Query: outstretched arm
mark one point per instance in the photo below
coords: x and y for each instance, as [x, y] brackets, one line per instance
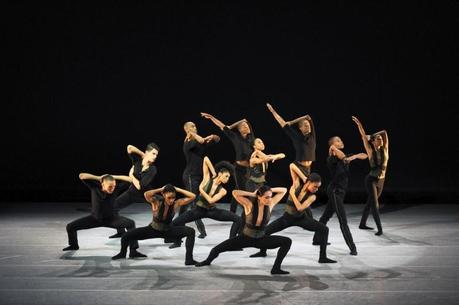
[301, 206]
[276, 116]
[189, 196]
[360, 156]
[87, 176]
[214, 120]
[304, 117]
[122, 178]
[235, 124]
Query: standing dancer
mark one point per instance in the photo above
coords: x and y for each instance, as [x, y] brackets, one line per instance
[194, 147]
[377, 148]
[257, 206]
[301, 197]
[163, 208]
[142, 173]
[338, 165]
[241, 141]
[259, 165]
[210, 192]
[104, 190]
[303, 137]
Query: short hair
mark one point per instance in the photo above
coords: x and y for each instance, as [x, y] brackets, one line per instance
[224, 167]
[263, 189]
[331, 140]
[169, 188]
[107, 178]
[151, 146]
[314, 177]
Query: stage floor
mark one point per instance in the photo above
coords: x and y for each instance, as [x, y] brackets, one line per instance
[416, 262]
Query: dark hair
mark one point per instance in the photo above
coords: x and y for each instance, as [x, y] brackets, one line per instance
[169, 188]
[263, 189]
[107, 178]
[314, 177]
[151, 146]
[224, 166]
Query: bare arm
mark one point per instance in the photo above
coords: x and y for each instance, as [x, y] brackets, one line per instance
[334, 151]
[296, 173]
[150, 195]
[235, 124]
[301, 206]
[366, 143]
[87, 176]
[304, 117]
[360, 156]
[131, 149]
[279, 194]
[189, 197]
[385, 137]
[197, 137]
[208, 169]
[214, 120]
[123, 178]
[215, 198]
[242, 198]
[276, 116]
[134, 181]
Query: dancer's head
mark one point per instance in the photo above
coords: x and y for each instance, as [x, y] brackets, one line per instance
[244, 128]
[257, 144]
[313, 183]
[151, 153]
[264, 195]
[190, 127]
[376, 140]
[108, 184]
[169, 193]
[304, 126]
[336, 141]
[224, 171]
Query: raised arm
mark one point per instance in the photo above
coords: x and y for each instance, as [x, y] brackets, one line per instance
[189, 197]
[296, 174]
[385, 137]
[208, 169]
[334, 151]
[235, 124]
[123, 178]
[278, 118]
[87, 176]
[150, 195]
[131, 149]
[214, 120]
[301, 206]
[258, 157]
[304, 117]
[242, 197]
[279, 193]
[366, 143]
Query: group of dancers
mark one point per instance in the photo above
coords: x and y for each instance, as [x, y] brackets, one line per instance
[204, 186]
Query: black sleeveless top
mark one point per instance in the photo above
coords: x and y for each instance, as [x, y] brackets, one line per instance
[164, 216]
[256, 173]
[251, 228]
[290, 207]
[201, 201]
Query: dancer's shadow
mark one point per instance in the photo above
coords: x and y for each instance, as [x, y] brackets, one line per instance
[93, 266]
[256, 288]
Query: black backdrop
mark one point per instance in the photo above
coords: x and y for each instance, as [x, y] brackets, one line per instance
[85, 81]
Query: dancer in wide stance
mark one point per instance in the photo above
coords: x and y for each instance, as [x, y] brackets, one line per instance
[257, 206]
[164, 207]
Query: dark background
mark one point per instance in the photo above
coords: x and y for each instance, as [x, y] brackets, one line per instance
[82, 82]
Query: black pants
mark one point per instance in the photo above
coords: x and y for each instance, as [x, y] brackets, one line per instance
[305, 222]
[89, 222]
[374, 187]
[213, 213]
[335, 204]
[243, 241]
[148, 233]
[126, 198]
[240, 181]
[191, 183]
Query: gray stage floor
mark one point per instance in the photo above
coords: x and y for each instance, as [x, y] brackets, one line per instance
[415, 262]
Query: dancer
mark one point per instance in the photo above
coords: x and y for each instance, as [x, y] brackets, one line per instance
[210, 192]
[301, 197]
[259, 165]
[103, 193]
[377, 148]
[303, 137]
[338, 165]
[241, 141]
[142, 173]
[163, 208]
[194, 147]
[257, 206]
